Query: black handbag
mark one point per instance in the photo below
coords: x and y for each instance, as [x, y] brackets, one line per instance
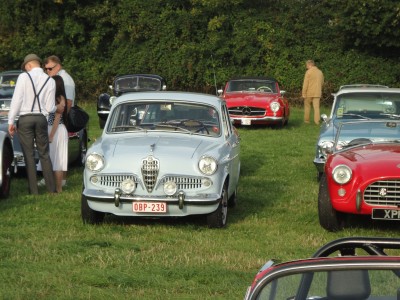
[77, 119]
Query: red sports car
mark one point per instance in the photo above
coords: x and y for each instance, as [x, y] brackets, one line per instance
[256, 100]
[362, 175]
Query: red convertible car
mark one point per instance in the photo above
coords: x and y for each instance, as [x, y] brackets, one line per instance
[362, 174]
[256, 100]
[355, 268]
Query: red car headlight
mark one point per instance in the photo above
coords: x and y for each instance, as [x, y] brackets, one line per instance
[275, 106]
[342, 174]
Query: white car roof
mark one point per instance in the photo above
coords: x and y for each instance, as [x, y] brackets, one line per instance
[349, 90]
[170, 96]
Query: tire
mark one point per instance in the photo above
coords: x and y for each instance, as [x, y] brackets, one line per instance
[319, 175]
[218, 218]
[6, 171]
[232, 201]
[82, 149]
[90, 216]
[102, 123]
[329, 218]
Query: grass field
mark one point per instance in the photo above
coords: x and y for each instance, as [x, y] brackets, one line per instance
[46, 252]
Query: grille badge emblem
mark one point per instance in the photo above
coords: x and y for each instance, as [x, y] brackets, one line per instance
[383, 192]
[246, 111]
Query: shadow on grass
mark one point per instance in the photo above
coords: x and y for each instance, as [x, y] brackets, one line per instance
[364, 222]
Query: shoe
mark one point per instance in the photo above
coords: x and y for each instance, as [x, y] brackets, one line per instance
[41, 182]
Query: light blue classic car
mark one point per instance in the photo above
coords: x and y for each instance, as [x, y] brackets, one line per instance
[355, 103]
[163, 154]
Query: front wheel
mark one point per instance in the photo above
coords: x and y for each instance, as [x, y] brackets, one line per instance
[329, 218]
[90, 216]
[217, 219]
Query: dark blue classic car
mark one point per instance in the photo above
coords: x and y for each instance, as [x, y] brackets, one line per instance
[124, 84]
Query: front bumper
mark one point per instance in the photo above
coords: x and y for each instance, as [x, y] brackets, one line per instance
[255, 120]
[121, 205]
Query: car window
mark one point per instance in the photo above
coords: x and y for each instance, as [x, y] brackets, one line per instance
[177, 117]
[137, 83]
[367, 105]
[327, 285]
[265, 86]
[227, 124]
[8, 79]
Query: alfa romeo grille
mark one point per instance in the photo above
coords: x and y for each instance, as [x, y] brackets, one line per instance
[150, 168]
[246, 111]
[384, 192]
[184, 183]
[114, 181]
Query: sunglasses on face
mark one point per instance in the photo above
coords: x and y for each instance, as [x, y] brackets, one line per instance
[50, 69]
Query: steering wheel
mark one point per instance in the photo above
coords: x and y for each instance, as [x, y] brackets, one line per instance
[195, 123]
[265, 88]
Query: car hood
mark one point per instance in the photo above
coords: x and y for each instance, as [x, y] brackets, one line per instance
[373, 155]
[181, 146]
[249, 99]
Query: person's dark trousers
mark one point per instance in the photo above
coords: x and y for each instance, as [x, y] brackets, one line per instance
[31, 128]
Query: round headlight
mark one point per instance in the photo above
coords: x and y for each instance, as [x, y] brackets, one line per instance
[326, 147]
[169, 188]
[275, 106]
[94, 162]
[112, 99]
[128, 186]
[342, 174]
[208, 165]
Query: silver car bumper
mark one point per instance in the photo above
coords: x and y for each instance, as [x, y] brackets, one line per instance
[180, 205]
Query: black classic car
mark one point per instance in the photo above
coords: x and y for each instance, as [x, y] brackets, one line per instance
[77, 143]
[127, 83]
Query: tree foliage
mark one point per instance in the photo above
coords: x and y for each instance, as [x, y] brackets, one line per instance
[199, 44]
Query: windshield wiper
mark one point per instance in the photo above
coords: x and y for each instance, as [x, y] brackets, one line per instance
[125, 127]
[164, 125]
[392, 116]
[355, 115]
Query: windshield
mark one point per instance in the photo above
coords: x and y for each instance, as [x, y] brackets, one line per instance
[137, 83]
[364, 132]
[176, 117]
[368, 106]
[252, 85]
[340, 284]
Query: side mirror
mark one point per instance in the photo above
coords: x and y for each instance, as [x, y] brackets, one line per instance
[324, 118]
[164, 87]
[219, 92]
[283, 93]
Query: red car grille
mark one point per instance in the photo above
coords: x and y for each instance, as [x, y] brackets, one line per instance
[246, 111]
[383, 192]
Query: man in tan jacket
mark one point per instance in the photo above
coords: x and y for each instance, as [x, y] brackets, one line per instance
[312, 91]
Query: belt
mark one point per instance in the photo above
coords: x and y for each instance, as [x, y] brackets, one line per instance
[31, 114]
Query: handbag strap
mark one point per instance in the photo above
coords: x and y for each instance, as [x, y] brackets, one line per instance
[34, 91]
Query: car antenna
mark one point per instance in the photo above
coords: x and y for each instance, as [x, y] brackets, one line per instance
[215, 77]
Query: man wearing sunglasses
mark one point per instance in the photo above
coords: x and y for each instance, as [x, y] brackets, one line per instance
[53, 66]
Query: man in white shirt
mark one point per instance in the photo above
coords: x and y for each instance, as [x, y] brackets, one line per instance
[53, 66]
[33, 100]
